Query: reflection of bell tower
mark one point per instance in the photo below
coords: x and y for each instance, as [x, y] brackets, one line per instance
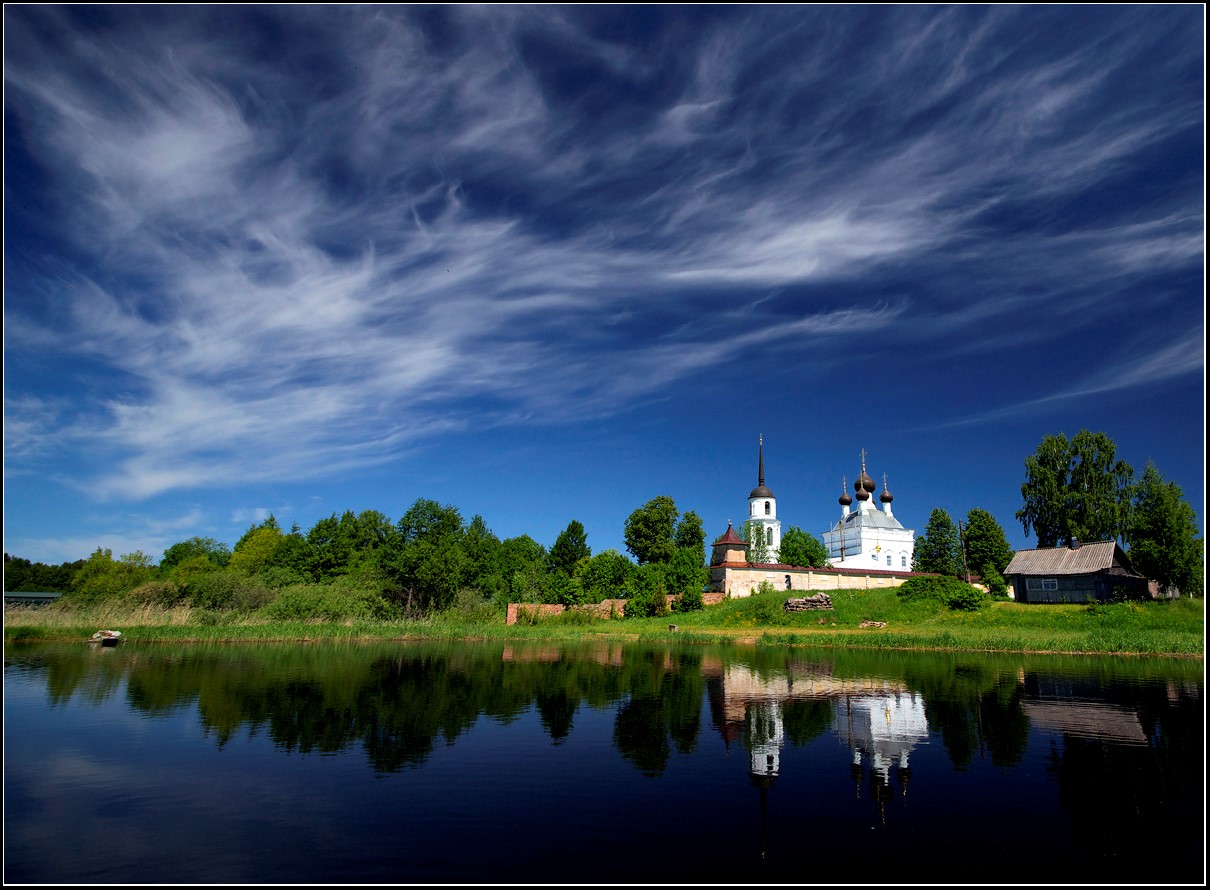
[766, 735]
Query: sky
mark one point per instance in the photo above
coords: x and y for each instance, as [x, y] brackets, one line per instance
[545, 263]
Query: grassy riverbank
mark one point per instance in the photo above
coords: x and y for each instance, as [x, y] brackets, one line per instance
[1174, 627]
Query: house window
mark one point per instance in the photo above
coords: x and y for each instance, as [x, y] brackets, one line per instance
[766, 508]
[1041, 583]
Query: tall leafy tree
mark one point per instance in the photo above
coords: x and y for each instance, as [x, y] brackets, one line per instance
[687, 572]
[1076, 489]
[523, 569]
[606, 575]
[985, 544]
[758, 547]
[1163, 538]
[102, 577]
[254, 548]
[939, 549]
[209, 548]
[569, 548]
[483, 558]
[691, 535]
[800, 548]
[650, 531]
[427, 559]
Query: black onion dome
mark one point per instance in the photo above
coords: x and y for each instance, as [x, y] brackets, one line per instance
[845, 500]
[886, 497]
[761, 492]
[867, 483]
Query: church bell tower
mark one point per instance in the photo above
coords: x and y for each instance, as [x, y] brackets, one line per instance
[762, 509]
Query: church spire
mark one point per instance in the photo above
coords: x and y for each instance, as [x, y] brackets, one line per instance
[761, 491]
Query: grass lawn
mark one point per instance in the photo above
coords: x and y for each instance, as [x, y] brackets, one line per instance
[1170, 627]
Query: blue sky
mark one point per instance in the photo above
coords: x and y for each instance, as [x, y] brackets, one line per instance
[545, 263]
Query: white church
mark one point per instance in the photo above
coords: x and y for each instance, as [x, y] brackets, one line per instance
[868, 537]
[867, 546]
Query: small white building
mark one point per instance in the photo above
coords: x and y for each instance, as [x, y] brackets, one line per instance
[869, 537]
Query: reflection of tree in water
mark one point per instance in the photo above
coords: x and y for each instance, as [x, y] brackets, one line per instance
[1126, 791]
[406, 703]
[556, 713]
[1003, 726]
[663, 711]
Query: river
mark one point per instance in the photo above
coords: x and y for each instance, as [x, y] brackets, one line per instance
[597, 763]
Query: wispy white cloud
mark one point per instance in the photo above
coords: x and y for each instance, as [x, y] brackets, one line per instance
[290, 274]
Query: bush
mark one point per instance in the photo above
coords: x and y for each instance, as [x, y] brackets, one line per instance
[155, 593]
[470, 605]
[996, 585]
[328, 602]
[645, 592]
[689, 601]
[942, 590]
[226, 590]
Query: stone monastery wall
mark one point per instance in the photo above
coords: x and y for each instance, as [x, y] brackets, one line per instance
[741, 580]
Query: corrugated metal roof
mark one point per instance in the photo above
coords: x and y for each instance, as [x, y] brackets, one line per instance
[872, 519]
[1085, 559]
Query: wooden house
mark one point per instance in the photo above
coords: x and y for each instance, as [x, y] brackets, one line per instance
[1081, 573]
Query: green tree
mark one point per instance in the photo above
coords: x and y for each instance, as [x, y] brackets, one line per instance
[483, 554]
[1076, 489]
[102, 577]
[650, 531]
[289, 562]
[569, 548]
[691, 535]
[939, 549]
[758, 547]
[21, 575]
[646, 591]
[605, 576]
[1163, 537]
[426, 559]
[523, 569]
[985, 545]
[800, 548]
[253, 549]
[210, 549]
[686, 572]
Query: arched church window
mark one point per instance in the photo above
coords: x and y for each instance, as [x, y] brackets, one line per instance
[903, 560]
[888, 559]
[766, 508]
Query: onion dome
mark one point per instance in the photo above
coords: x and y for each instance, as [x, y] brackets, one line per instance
[761, 491]
[845, 500]
[886, 497]
[864, 486]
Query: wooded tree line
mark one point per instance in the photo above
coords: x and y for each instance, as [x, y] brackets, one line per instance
[431, 557]
[426, 561]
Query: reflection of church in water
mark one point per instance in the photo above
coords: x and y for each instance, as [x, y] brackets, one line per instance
[879, 721]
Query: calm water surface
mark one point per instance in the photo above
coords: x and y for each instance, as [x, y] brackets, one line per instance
[504, 763]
